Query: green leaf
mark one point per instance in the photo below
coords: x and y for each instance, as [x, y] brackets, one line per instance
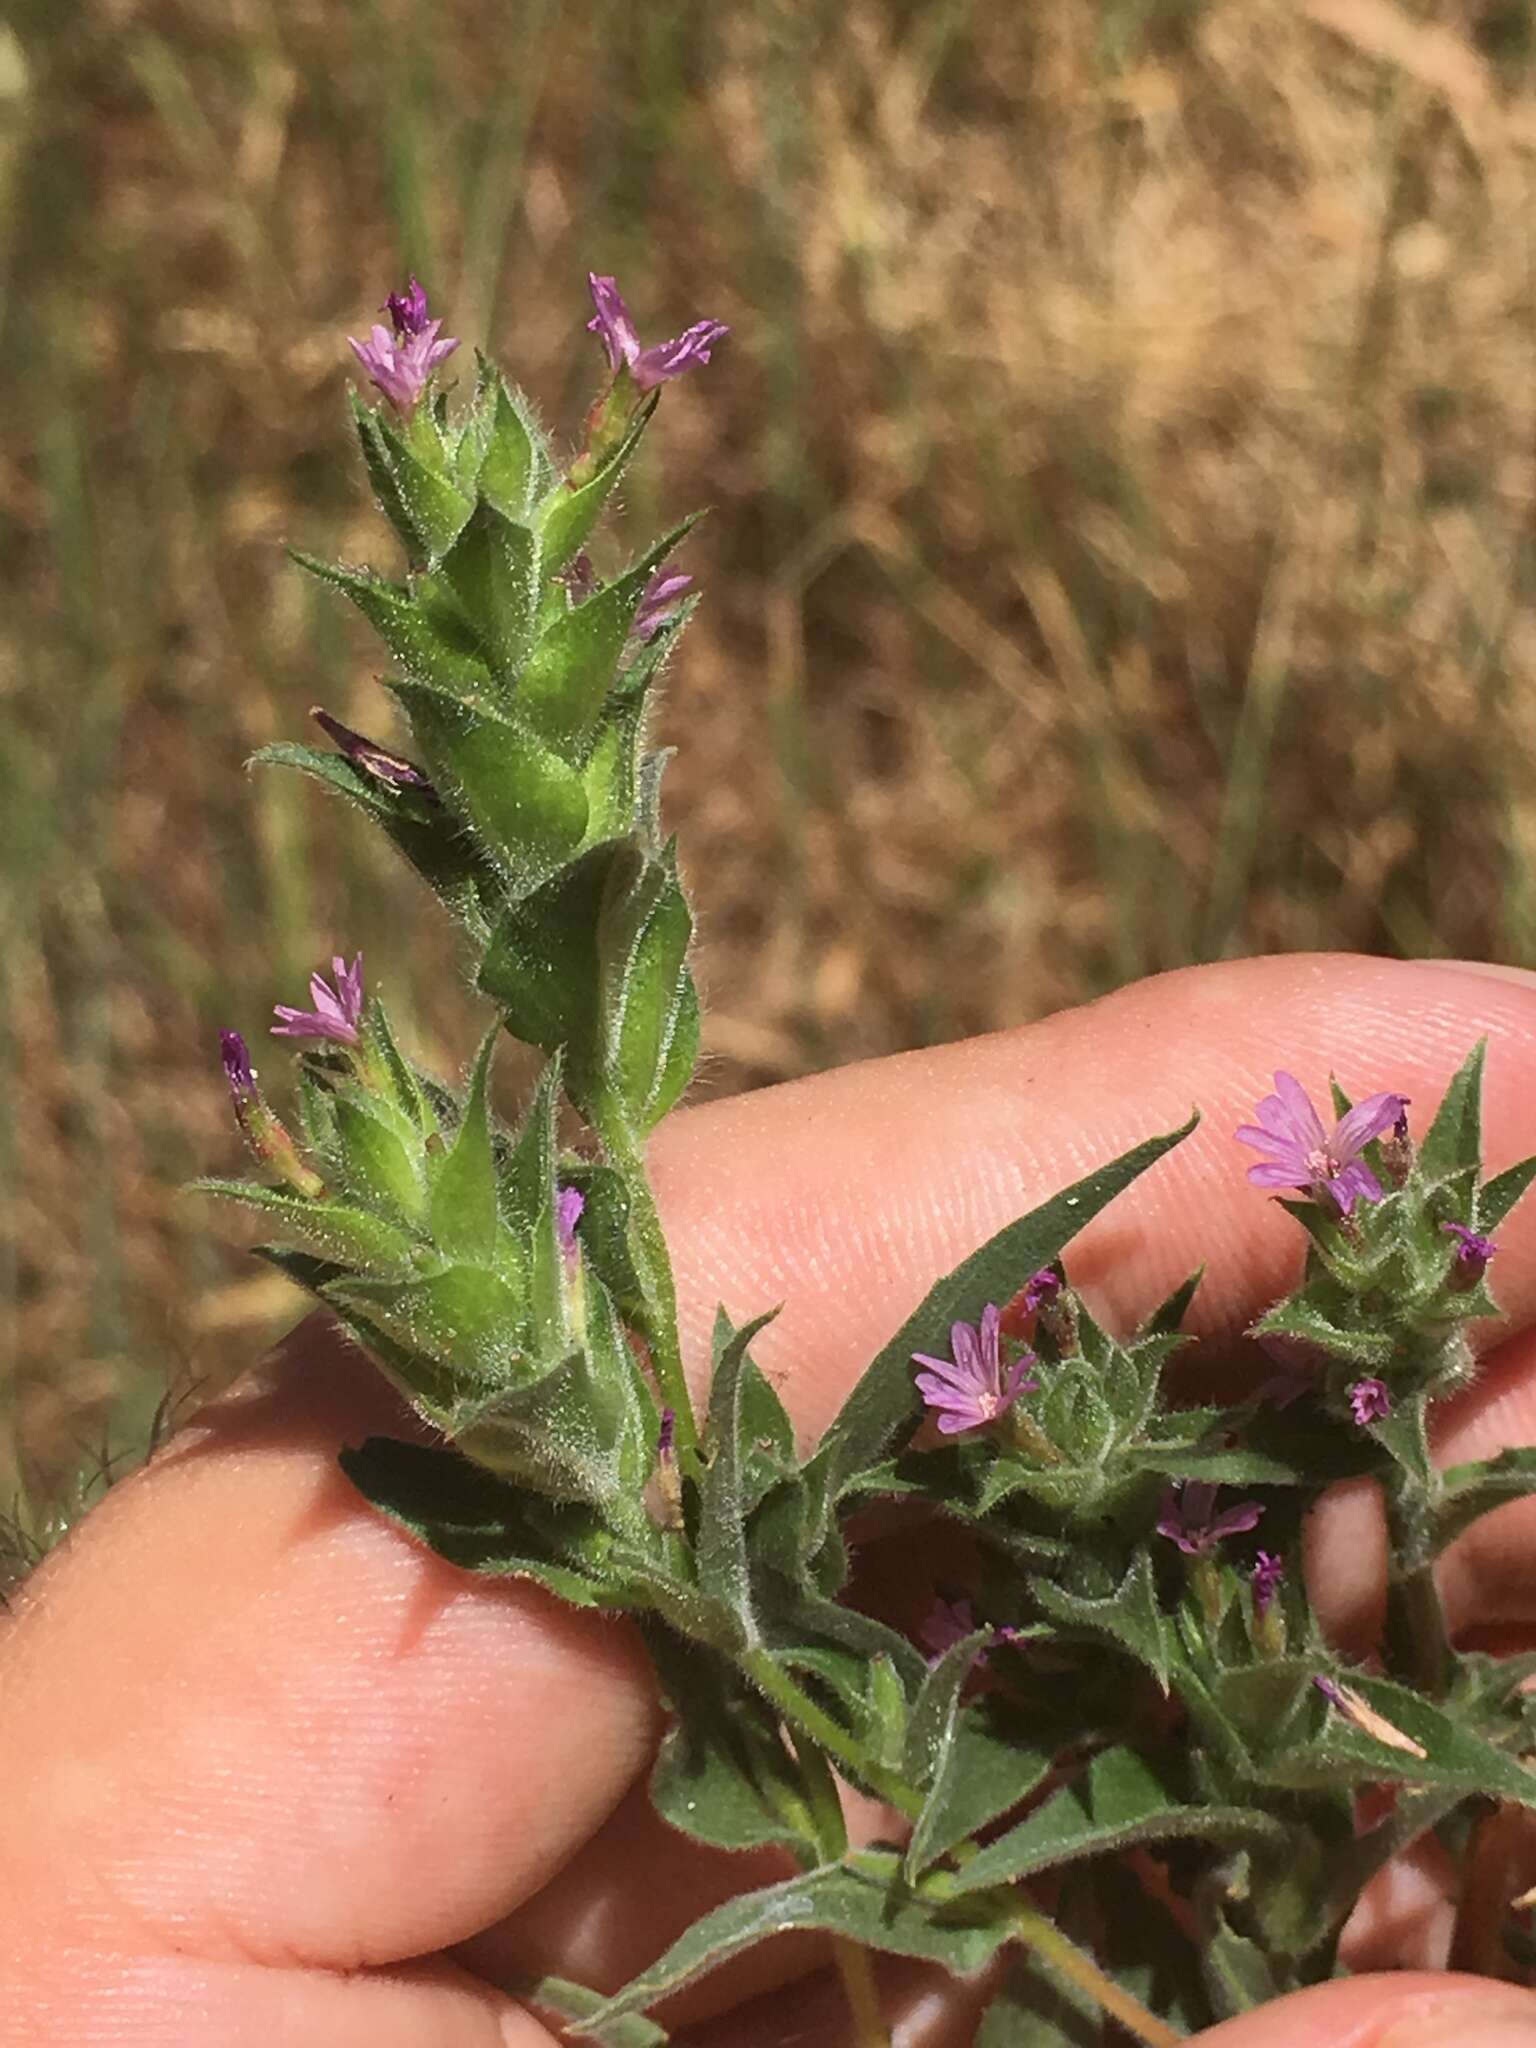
[527, 1192]
[1454, 1757]
[1498, 1196]
[352, 1236]
[1238, 1973]
[566, 517]
[724, 1569]
[528, 805]
[541, 966]
[862, 1898]
[644, 929]
[1129, 1617]
[1453, 1142]
[1301, 1316]
[885, 1405]
[572, 669]
[1167, 1319]
[434, 505]
[427, 646]
[492, 569]
[478, 1521]
[723, 1774]
[462, 1316]
[1040, 2007]
[936, 1710]
[379, 1169]
[1472, 1490]
[558, 1433]
[464, 1208]
[1121, 1802]
[575, 2002]
[979, 1767]
[382, 476]
[515, 469]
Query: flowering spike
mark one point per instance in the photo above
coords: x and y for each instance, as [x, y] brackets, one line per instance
[1188, 1518]
[368, 755]
[401, 363]
[338, 1011]
[1301, 1154]
[973, 1388]
[1369, 1402]
[647, 367]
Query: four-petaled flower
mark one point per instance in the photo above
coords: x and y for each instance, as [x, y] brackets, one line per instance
[1187, 1517]
[975, 1387]
[658, 604]
[569, 1203]
[368, 755]
[1369, 1402]
[1268, 1571]
[647, 367]
[338, 1011]
[1473, 1252]
[400, 363]
[1301, 1154]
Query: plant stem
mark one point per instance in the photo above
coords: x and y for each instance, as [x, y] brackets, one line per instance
[1415, 1619]
[653, 1267]
[1036, 1932]
[854, 1966]
[858, 1975]
[808, 1719]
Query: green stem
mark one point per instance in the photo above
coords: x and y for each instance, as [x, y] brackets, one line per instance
[854, 1966]
[1036, 1932]
[1416, 1630]
[807, 1718]
[653, 1267]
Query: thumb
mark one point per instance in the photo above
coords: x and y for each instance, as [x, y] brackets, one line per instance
[1408, 2009]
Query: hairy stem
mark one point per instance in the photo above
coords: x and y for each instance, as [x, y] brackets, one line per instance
[1034, 1931]
[1416, 1630]
[807, 1719]
[854, 1965]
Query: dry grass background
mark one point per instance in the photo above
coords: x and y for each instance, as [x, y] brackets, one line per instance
[1121, 556]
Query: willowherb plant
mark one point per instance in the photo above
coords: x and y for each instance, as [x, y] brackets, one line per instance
[1134, 1699]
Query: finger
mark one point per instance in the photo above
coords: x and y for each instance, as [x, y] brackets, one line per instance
[845, 1196]
[1411, 2010]
[245, 1717]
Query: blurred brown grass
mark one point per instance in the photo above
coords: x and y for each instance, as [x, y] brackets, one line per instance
[1121, 548]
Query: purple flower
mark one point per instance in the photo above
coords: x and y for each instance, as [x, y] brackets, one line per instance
[1186, 1517]
[368, 755]
[647, 367]
[1268, 1571]
[238, 1071]
[569, 1203]
[975, 1388]
[658, 604]
[1301, 1154]
[1040, 1288]
[400, 364]
[1472, 1253]
[407, 310]
[1369, 1402]
[337, 1012]
[666, 1435]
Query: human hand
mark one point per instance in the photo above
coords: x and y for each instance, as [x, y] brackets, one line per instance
[276, 1775]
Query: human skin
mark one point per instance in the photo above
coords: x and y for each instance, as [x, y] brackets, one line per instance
[273, 1774]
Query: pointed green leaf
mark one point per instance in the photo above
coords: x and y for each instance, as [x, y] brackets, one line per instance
[1121, 1802]
[382, 476]
[1498, 1196]
[723, 1774]
[527, 803]
[1167, 1319]
[528, 1202]
[1238, 1973]
[1454, 1757]
[464, 1199]
[1453, 1141]
[885, 1404]
[553, 1435]
[1129, 1617]
[565, 518]
[1300, 1316]
[427, 646]
[379, 1170]
[482, 1523]
[575, 2002]
[462, 1316]
[644, 930]
[515, 469]
[724, 1569]
[983, 1768]
[1470, 1491]
[862, 1898]
[492, 569]
[433, 502]
[541, 966]
[352, 1236]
